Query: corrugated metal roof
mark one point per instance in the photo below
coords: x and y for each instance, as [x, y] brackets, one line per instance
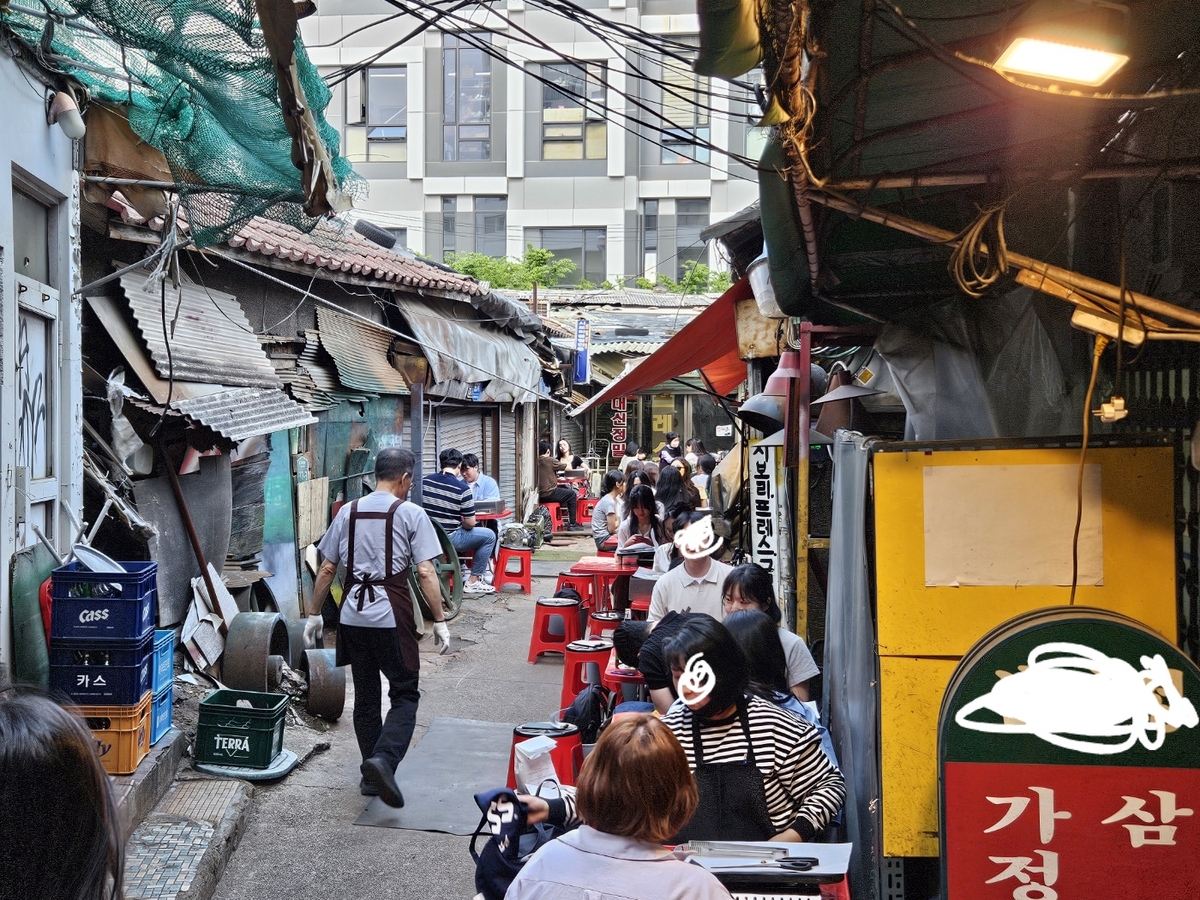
[360, 352]
[210, 337]
[246, 412]
[632, 297]
[644, 348]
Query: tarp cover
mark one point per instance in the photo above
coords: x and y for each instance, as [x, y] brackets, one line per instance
[463, 355]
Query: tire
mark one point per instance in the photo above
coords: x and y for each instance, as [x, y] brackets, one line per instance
[450, 579]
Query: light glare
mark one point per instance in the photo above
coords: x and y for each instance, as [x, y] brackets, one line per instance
[1060, 62]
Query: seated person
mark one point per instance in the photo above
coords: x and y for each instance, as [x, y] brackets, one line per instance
[449, 502]
[698, 584]
[549, 490]
[634, 792]
[633, 454]
[706, 465]
[672, 491]
[606, 515]
[643, 522]
[749, 587]
[568, 457]
[640, 646]
[758, 637]
[483, 487]
[792, 791]
[60, 836]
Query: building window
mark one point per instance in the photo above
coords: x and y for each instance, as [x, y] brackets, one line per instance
[685, 108]
[573, 124]
[449, 225]
[691, 216]
[377, 115]
[583, 246]
[466, 99]
[650, 239]
[489, 226]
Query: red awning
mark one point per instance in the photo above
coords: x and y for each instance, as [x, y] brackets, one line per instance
[708, 343]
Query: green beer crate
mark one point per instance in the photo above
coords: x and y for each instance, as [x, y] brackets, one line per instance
[249, 734]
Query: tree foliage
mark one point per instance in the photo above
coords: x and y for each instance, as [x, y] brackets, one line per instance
[697, 279]
[536, 266]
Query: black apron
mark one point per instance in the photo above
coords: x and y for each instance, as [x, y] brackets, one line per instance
[733, 800]
[359, 589]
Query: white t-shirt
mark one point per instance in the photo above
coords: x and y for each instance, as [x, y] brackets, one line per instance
[800, 664]
[414, 540]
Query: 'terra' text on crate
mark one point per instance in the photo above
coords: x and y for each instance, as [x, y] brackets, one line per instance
[231, 744]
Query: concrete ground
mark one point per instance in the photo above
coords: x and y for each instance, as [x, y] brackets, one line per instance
[301, 840]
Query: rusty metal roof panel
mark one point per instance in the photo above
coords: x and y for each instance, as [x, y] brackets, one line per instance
[246, 412]
[210, 337]
[360, 351]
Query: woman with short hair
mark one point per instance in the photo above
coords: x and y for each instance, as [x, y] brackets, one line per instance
[634, 792]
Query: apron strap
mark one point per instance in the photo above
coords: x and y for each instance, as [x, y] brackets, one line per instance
[365, 587]
[698, 743]
[388, 535]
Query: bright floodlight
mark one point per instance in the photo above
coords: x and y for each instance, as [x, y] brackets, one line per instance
[1060, 62]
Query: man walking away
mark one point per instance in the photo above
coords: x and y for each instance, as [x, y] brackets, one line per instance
[380, 538]
[449, 502]
[549, 490]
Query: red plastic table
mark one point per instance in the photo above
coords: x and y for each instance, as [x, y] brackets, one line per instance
[604, 570]
[615, 676]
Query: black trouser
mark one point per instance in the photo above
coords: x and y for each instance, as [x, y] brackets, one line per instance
[563, 497]
[370, 652]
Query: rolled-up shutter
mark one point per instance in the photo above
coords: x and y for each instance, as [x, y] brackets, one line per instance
[508, 459]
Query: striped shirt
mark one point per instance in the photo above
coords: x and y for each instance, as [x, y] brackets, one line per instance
[447, 500]
[800, 781]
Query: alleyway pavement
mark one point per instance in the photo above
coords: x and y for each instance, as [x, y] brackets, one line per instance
[301, 841]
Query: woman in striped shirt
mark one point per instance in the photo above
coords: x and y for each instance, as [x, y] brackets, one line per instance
[760, 770]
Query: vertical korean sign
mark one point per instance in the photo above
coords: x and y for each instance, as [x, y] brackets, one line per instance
[620, 426]
[1069, 748]
[766, 508]
[583, 340]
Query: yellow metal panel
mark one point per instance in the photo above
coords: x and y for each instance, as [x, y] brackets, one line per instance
[1137, 501]
[910, 694]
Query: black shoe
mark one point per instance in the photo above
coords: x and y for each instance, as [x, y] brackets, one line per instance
[367, 790]
[377, 774]
[573, 527]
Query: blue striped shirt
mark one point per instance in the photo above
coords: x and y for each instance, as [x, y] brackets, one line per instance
[447, 500]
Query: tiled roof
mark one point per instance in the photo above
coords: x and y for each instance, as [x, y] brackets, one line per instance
[332, 245]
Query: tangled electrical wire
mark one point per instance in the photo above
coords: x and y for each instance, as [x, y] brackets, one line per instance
[980, 256]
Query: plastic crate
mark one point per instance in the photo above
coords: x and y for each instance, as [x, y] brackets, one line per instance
[122, 734]
[232, 735]
[160, 713]
[163, 671]
[87, 607]
[112, 673]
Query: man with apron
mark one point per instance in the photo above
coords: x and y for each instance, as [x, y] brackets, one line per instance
[379, 538]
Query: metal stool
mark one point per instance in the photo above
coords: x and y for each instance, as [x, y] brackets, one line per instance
[583, 664]
[523, 577]
[546, 638]
[567, 754]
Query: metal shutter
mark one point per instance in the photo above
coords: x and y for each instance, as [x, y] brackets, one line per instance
[508, 460]
[461, 429]
[571, 430]
[429, 460]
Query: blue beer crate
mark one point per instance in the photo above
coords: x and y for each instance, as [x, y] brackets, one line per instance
[164, 660]
[160, 713]
[104, 606]
[102, 673]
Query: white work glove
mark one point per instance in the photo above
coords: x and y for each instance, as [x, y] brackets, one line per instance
[441, 637]
[314, 626]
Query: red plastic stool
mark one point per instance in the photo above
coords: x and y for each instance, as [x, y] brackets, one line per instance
[603, 624]
[557, 522]
[549, 612]
[583, 664]
[523, 577]
[567, 754]
[581, 583]
[586, 507]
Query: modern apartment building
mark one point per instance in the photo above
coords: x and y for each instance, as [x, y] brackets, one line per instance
[479, 137]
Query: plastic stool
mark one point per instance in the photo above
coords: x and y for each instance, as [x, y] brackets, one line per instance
[586, 507]
[548, 613]
[567, 754]
[557, 522]
[523, 577]
[581, 583]
[603, 624]
[583, 664]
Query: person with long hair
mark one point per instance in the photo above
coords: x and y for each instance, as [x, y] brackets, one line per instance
[749, 586]
[758, 637]
[670, 449]
[760, 772]
[694, 494]
[564, 454]
[650, 470]
[60, 838]
[670, 491]
[643, 519]
[606, 514]
[634, 792]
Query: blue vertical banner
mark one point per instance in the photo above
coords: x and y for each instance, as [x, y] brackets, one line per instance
[583, 362]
